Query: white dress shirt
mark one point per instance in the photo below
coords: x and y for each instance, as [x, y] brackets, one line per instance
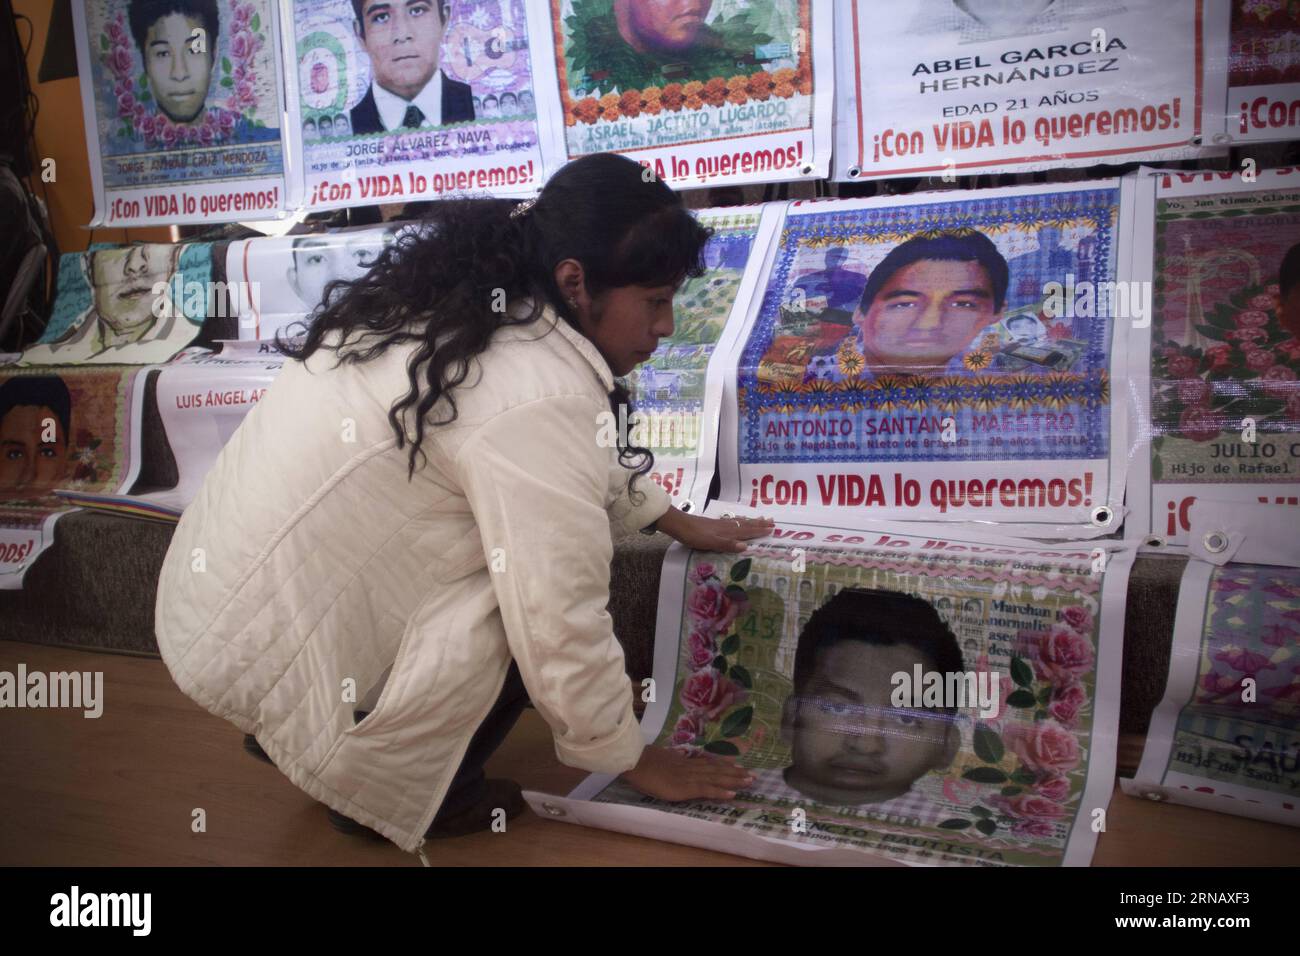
[392, 108]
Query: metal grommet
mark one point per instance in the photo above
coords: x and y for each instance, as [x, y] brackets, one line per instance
[1154, 795]
[855, 172]
[685, 507]
[1155, 542]
[553, 810]
[1101, 516]
[1215, 542]
[1222, 138]
[807, 169]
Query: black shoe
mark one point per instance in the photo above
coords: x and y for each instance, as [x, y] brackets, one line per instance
[498, 794]
[254, 748]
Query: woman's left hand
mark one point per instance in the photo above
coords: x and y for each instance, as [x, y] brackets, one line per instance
[713, 534]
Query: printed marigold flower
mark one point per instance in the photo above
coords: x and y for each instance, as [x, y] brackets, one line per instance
[609, 106]
[569, 118]
[694, 102]
[672, 96]
[630, 103]
[650, 100]
[715, 91]
[737, 82]
[784, 75]
[738, 97]
[759, 85]
[804, 84]
[850, 362]
[977, 360]
[587, 110]
[693, 88]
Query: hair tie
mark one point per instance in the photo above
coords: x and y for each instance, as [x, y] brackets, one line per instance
[522, 209]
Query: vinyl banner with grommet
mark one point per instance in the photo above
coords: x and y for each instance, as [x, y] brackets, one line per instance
[954, 356]
[954, 87]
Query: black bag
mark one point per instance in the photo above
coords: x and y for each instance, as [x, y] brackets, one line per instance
[26, 250]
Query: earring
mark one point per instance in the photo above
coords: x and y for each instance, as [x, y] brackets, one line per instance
[573, 303]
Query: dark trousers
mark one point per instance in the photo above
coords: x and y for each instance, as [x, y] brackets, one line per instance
[468, 785]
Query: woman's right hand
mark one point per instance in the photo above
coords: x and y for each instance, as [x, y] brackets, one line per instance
[671, 775]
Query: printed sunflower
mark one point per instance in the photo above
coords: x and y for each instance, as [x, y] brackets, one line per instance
[978, 360]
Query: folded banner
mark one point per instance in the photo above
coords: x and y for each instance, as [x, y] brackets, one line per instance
[962, 86]
[67, 428]
[183, 107]
[677, 393]
[202, 399]
[948, 356]
[1218, 409]
[702, 93]
[407, 101]
[278, 281]
[1224, 736]
[1264, 71]
[937, 701]
[128, 305]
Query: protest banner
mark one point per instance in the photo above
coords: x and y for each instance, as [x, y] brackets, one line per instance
[953, 87]
[723, 93]
[903, 696]
[183, 106]
[946, 356]
[405, 102]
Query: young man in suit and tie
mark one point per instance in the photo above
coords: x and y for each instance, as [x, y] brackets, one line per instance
[403, 39]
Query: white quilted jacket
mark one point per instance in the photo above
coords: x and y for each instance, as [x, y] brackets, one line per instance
[308, 565]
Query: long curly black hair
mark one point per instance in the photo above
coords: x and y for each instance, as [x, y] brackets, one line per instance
[441, 285]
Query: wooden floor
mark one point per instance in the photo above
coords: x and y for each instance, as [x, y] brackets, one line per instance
[121, 790]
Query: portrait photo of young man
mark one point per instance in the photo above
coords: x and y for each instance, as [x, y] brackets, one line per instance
[408, 89]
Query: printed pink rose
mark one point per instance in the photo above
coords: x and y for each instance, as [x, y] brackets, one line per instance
[1055, 788]
[703, 571]
[1200, 424]
[1044, 747]
[1260, 359]
[687, 729]
[243, 14]
[1251, 320]
[1181, 366]
[712, 608]
[1036, 829]
[1029, 806]
[1064, 655]
[169, 135]
[126, 104]
[1066, 703]
[1290, 348]
[116, 34]
[1279, 380]
[1247, 337]
[241, 44]
[1078, 618]
[1262, 302]
[707, 694]
[1195, 391]
[702, 649]
[120, 61]
[1218, 356]
[207, 134]
[244, 90]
